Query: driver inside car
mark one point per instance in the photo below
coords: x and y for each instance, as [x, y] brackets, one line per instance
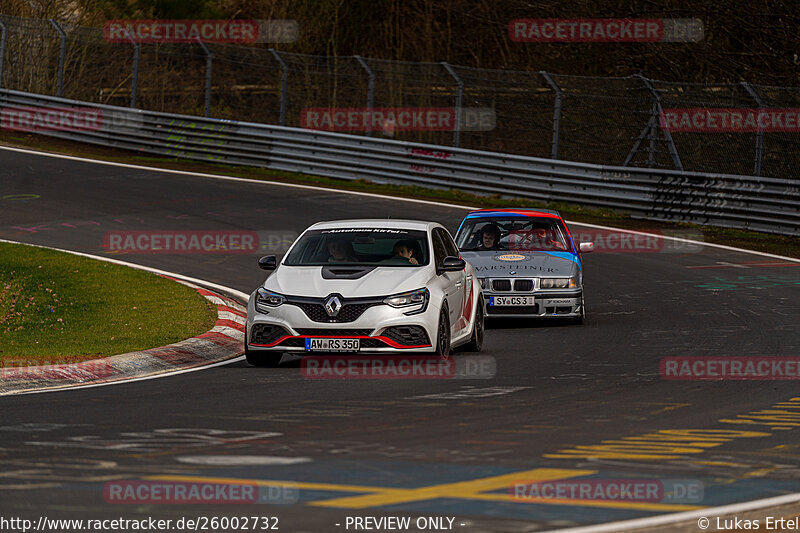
[490, 237]
[544, 236]
[405, 250]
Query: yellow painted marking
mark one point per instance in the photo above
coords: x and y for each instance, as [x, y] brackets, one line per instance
[460, 489]
[612, 504]
[466, 490]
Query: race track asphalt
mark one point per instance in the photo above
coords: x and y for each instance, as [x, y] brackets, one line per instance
[407, 447]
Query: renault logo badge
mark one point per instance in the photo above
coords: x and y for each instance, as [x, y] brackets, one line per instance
[333, 305]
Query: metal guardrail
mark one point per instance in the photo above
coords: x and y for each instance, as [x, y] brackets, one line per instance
[764, 204]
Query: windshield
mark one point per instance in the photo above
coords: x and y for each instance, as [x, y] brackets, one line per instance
[513, 233]
[360, 246]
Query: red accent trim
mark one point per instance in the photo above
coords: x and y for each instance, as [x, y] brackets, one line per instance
[381, 338]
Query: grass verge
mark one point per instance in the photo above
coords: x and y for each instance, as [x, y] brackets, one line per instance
[61, 307]
[775, 244]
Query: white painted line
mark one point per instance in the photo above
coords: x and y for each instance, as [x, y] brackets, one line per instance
[154, 271]
[709, 512]
[372, 195]
[167, 374]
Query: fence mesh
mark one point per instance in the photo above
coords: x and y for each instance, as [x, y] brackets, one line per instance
[612, 121]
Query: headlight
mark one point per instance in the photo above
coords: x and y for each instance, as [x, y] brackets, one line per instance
[558, 283]
[484, 282]
[417, 297]
[266, 299]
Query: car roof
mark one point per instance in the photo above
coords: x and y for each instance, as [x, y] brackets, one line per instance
[396, 223]
[525, 212]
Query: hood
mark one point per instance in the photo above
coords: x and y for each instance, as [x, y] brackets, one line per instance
[524, 264]
[381, 281]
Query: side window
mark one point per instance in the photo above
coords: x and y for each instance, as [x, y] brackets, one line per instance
[449, 245]
[439, 250]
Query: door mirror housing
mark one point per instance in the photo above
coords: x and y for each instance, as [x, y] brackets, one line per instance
[586, 247]
[268, 262]
[452, 264]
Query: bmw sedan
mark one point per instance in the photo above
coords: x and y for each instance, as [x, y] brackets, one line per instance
[376, 286]
[526, 262]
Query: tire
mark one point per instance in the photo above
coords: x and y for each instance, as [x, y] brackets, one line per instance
[475, 343]
[443, 348]
[262, 359]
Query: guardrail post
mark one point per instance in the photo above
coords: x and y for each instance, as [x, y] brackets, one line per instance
[556, 112]
[284, 84]
[209, 64]
[134, 70]
[459, 100]
[653, 125]
[760, 135]
[370, 93]
[2, 50]
[62, 57]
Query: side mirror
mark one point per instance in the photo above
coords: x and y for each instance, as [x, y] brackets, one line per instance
[586, 247]
[452, 264]
[268, 262]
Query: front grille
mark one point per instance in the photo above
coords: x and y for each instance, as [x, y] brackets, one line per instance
[523, 285]
[408, 335]
[266, 333]
[294, 342]
[501, 284]
[320, 332]
[348, 313]
[514, 310]
[372, 343]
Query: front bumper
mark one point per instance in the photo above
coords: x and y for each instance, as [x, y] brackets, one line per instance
[559, 303]
[380, 329]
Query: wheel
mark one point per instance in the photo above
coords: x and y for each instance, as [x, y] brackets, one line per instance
[475, 343]
[262, 359]
[443, 334]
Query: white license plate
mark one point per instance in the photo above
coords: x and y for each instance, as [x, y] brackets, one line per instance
[333, 345]
[510, 300]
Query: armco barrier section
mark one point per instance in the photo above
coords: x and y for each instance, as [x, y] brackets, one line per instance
[763, 204]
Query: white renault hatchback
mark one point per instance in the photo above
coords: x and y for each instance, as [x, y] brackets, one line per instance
[377, 286]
